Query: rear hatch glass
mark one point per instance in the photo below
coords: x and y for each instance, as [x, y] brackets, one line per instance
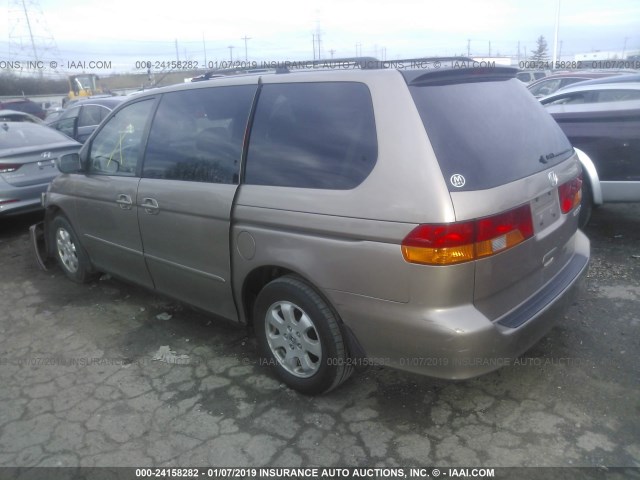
[486, 130]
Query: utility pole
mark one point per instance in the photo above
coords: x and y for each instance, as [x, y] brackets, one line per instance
[245, 38]
[624, 48]
[177, 53]
[489, 47]
[231, 47]
[204, 48]
[319, 47]
[560, 52]
[332, 51]
[313, 39]
[518, 52]
[468, 47]
[358, 47]
[555, 38]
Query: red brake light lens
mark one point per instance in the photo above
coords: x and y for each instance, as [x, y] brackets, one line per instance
[447, 244]
[9, 167]
[570, 194]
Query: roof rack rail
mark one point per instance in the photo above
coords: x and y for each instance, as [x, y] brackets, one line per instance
[364, 63]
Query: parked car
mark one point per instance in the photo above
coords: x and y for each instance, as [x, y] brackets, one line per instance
[28, 152]
[529, 76]
[350, 217]
[552, 83]
[602, 121]
[23, 105]
[81, 118]
[17, 116]
[623, 78]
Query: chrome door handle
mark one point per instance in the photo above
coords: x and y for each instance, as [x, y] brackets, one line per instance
[150, 206]
[124, 201]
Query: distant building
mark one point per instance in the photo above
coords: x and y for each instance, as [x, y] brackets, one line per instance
[610, 55]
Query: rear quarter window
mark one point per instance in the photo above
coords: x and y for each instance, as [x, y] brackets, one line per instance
[312, 135]
[488, 133]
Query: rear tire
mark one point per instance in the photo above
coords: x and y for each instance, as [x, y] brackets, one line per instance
[69, 254]
[586, 205]
[300, 337]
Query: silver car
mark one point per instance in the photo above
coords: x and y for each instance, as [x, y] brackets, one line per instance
[28, 152]
[424, 220]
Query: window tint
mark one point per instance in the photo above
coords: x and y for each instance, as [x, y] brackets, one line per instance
[618, 95]
[71, 112]
[90, 115]
[570, 98]
[546, 87]
[66, 126]
[312, 135]
[115, 149]
[490, 132]
[197, 135]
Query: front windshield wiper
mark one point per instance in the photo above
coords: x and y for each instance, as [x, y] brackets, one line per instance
[549, 156]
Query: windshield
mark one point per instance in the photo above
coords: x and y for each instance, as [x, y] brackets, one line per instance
[488, 132]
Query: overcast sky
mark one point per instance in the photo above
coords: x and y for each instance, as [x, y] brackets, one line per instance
[123, 32]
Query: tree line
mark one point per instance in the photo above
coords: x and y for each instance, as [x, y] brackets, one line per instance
[12, 85]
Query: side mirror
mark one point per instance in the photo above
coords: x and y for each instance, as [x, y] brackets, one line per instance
[69, 163]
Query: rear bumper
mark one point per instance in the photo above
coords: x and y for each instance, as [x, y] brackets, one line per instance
[24, 199]
[21, 206]
[460, 342]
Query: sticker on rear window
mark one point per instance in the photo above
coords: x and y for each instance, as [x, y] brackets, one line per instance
[457, 180]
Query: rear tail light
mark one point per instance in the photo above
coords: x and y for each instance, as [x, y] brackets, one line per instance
[570, 194]
[451, 243]
[9, 167]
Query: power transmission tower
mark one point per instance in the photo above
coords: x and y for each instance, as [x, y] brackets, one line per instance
[30, 40]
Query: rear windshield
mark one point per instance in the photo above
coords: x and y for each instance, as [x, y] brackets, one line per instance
[23, 134]
[486, 134]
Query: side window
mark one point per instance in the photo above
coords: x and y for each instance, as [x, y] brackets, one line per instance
[115, 149]
[72, 112]
[617, 95]
[197, 135]
[66, 126]
[312, 135]
[104, 113]
[546, 87]
[570, 98]
[90, 115]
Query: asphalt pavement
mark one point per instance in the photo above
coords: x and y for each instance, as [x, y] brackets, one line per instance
[108, 374]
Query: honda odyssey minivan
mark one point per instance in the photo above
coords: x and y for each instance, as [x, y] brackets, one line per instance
[425, 220]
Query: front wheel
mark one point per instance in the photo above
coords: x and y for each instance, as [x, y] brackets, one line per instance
[299, 334]
[69, 254]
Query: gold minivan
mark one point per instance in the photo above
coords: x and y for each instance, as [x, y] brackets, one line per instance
[424, 220]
